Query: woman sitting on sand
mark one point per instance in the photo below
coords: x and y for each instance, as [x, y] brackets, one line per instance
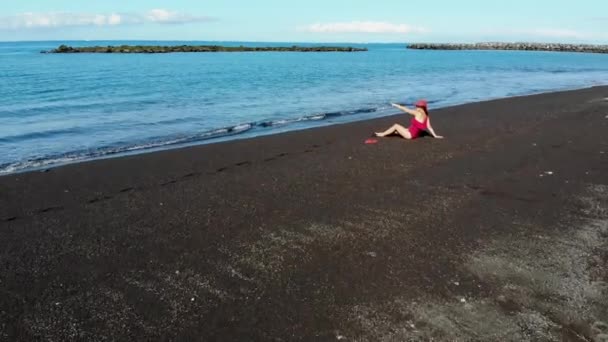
[420, 123]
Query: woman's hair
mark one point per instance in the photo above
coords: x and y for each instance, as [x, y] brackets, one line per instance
[425, 109]
[424, 105]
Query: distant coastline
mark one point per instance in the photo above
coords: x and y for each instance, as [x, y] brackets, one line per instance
[198, 48]
[513, 46]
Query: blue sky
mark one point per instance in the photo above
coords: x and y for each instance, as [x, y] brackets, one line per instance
[307, 21]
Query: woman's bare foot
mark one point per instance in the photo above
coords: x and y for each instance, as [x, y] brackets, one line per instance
[379, 135]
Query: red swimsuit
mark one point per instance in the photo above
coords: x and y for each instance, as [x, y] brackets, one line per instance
[417, 127]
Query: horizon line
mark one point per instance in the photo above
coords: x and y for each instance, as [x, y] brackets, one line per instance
[196, 40]
[288, 42]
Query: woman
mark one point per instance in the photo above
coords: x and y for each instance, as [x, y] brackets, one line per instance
[420, 123]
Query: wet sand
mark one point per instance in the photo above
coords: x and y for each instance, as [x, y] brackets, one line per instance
[497, 233]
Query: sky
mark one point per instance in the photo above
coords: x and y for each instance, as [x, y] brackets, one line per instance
[582, 21]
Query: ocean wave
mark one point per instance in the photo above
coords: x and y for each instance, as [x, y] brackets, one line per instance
[316, 117]
[39, 135]
[161, 142]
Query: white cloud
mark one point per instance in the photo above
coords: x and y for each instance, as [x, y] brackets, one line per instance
[58, 19]
[31, 20]
[114, 19]
[364, 27]
[164, 16]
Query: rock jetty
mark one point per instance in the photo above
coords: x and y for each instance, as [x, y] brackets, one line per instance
[199, 48]
[513, 46]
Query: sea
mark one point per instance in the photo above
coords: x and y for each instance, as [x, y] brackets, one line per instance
[64, 108]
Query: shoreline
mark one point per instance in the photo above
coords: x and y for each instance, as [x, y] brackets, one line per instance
[245, 134]
[313, 235]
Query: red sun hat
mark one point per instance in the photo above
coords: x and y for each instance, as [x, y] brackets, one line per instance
[422, 103]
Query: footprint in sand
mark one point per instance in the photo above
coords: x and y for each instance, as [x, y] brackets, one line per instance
[99, 199]
[49, 209]
[173, 181]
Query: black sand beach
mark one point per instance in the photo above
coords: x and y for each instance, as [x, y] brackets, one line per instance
[497, 233]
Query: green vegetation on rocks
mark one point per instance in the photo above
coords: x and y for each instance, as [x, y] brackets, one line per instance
[199, 48]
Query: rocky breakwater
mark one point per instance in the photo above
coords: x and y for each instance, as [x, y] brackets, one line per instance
[199, 48]
[513, 46]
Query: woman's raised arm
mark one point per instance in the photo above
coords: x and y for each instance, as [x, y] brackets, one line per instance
[404, 109]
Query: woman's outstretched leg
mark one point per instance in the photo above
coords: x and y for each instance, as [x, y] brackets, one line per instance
[388, 132]
[402, 131]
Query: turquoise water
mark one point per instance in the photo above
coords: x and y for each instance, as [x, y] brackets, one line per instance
[63, 108]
